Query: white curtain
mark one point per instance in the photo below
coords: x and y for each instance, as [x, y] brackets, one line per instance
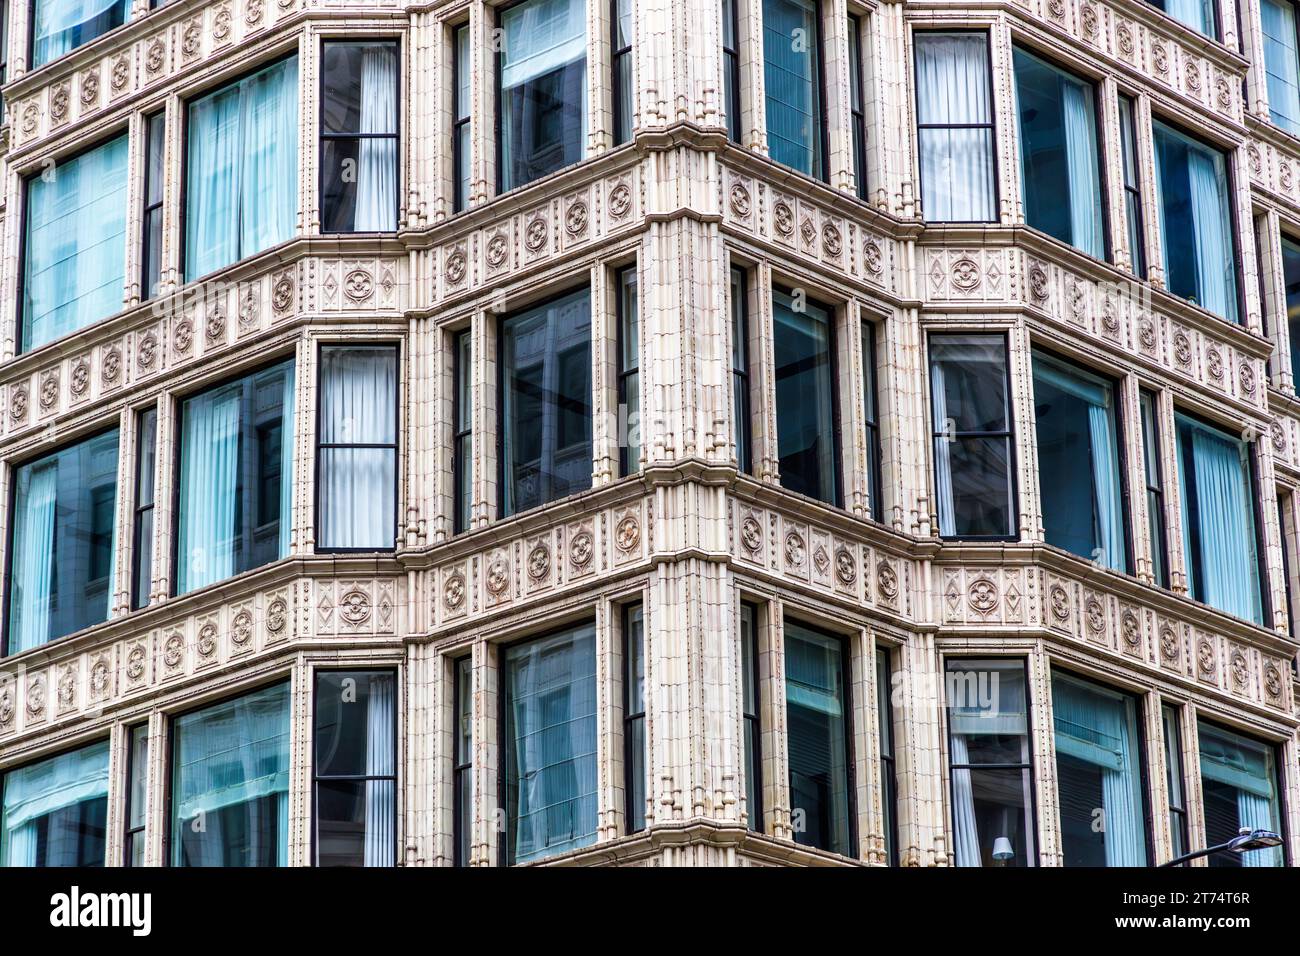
[942, 453]
[1081, 160]
[1197, 14]
[1281, 63]
[38, 790]
[952, 88]
[1256, 812]
[212, 183]
[209, 463]
[1109, 502]
[966, 836]
[377, 158]
[380, 795]
[358, 406]
[62, 25]
[33, 556]
[1214, 257]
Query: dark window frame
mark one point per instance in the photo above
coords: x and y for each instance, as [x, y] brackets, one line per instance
[129, 832]
[753, 722]
[1177, 812]
[152, 209]
[459, 161]
[631, 718]
[823, 174]
[740, 383]
[616, 55]
[139, 588]
[857, 103]
[731, 70]
[623, 375]
[875, 477]
[888, 754]
[1154, 483]
[1132, 190]
[460, 521]
[460, 768]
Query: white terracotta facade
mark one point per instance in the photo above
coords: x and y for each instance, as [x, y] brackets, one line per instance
[689, 535]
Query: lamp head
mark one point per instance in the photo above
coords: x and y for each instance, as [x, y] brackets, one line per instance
[1248, 839]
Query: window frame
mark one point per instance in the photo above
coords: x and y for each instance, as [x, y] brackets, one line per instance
[822, 134]
[731, 70]
[1132, 191]
[871, 329]
[1263, 61]
[150, 208]
[396, 136]
[459, 161]
[1216, 22]
[858, 111]
[63, 752]
[617, 92]
[630, 718]
[1286, 501]
[140, 595]
[626, 466]
[127, 19]
[1279, 771]
[318, 509]
[128, 831]
[458, 768]
[752, 724]
[738, 292]
[1151, 448]
[460, 522]
[888, 761]
[1174, 714]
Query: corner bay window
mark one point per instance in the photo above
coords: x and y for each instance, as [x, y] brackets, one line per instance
[357, 436]
[989, 762]
[60, 26]
[1098, 768]
[806, 415]
[355, 738]
[542, 95]
[792, 84]
[1057, 121]
[236, 477]
[53, 812]
[954, 121]
[230, 782]
[548, 747]
[972, 435]
[545, 440]
[1215, 482]
[74, 248]
[1079, 476]
[820, 750]
[241, 179]
[358, 150]
[1200, 254]
[1239, 788]
[62, 542]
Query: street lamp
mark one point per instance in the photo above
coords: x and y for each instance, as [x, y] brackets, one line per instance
[1245, 841]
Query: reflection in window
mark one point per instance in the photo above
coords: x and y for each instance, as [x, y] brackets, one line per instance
[753, 725]
[63, 25]
[54, 811]
[991, 774]
[1132, 191]
[888, 780]
[1078, 462]
[462, 768]
[358, 150]
[857, 108]
[137, 784]
[1195, 222]
[461, 122]
[1238, 789]
[629, 369]
[1098, 768]
[152, 231]
[803, 344]
[542, 103]
[1281, 62]
[1197, 14]
[548, 721]
[871, 419]
[463, 447]
[1172, 728]
[146, 446]
[972, 435]
[546, 409]
[621, 51]
[355, 737]
[740, 366]
[792, 83]
[731, 69]
[236, 481]
[62, 542]
[230, 782]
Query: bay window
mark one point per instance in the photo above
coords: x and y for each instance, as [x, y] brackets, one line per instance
[819, 729]
[1056, 118]
[1239, 788]
[74, 246]
[954, 123]
[989, 761]
[634, 738]
[806, 411]
[792, 84]
[62, 542]
[230, 782]
[1155, 489]
[1197, 14]
[1215, 479]
[542, 89]
[972, 435]
[548, 746]
[54, 812]
[60, 26]
[1193, 196]
[546, 450]
[358, 149]
[1082, 497]
[357, 448]
[355, 768]
[241, 178]
[1098, 767]
[236, 477]
[1281, 62]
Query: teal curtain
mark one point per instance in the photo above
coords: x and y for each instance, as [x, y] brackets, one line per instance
[75, 261]
[791, 84]
[242, 174]
[1214, 259]
[1281, 63]
[208, 488]
[1081, 152]
[32, 576]
[53, 786]
[64, 25]
[1197, 14]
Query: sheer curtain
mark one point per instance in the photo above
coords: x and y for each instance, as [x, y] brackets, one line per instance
[1225, 520]
[1232, 760]
[33, 557]
[1106, 487]
[209, 474]
[1214, 258]
[63, 25]
[1081, 160]
[213, 183]
[358, 405]
[966, 831]
[1256, 812]
[952, 87]
[377, 158]
[380, 796]
[39, 790]
[942, 453]
[1197, 14]
[1281, 63]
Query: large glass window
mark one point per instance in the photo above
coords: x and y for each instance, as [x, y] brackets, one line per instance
[1216, 485]
[1195, 221]
[462, 127]
[62, 542]
[357, 444]
[750, 708]
[1132, 191]
[60, 26]
[806, 413]
[137, 790]
[230, 782]
[1155, 489]
[731, 69]
[1098, 774]
[546, 402]
[463, 450]
[1291, 284]
[1059, 173]
[629, 370]
[989, 759]
[152, 225]
[792, 84]
[1174, 781]
[548, 723]
[54, 811]
[740, 366]
[634, 740]
[463, 765]
[888, 780]
[1082, 497]
[1197, 14]
[1281, 62]
[818, 729]
[236, 477]
[623, 27]
[871, 421]
[142, 532]
[954, 121]
[358, 131]
[355, 737]
[972, 435]
[74, 250]
[241, 179]
[542, 102]
[1239, 788]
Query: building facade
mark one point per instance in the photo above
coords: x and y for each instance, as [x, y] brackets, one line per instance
[648, 432]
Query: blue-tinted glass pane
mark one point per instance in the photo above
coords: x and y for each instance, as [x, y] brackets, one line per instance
[54, 810]
[805, 397]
